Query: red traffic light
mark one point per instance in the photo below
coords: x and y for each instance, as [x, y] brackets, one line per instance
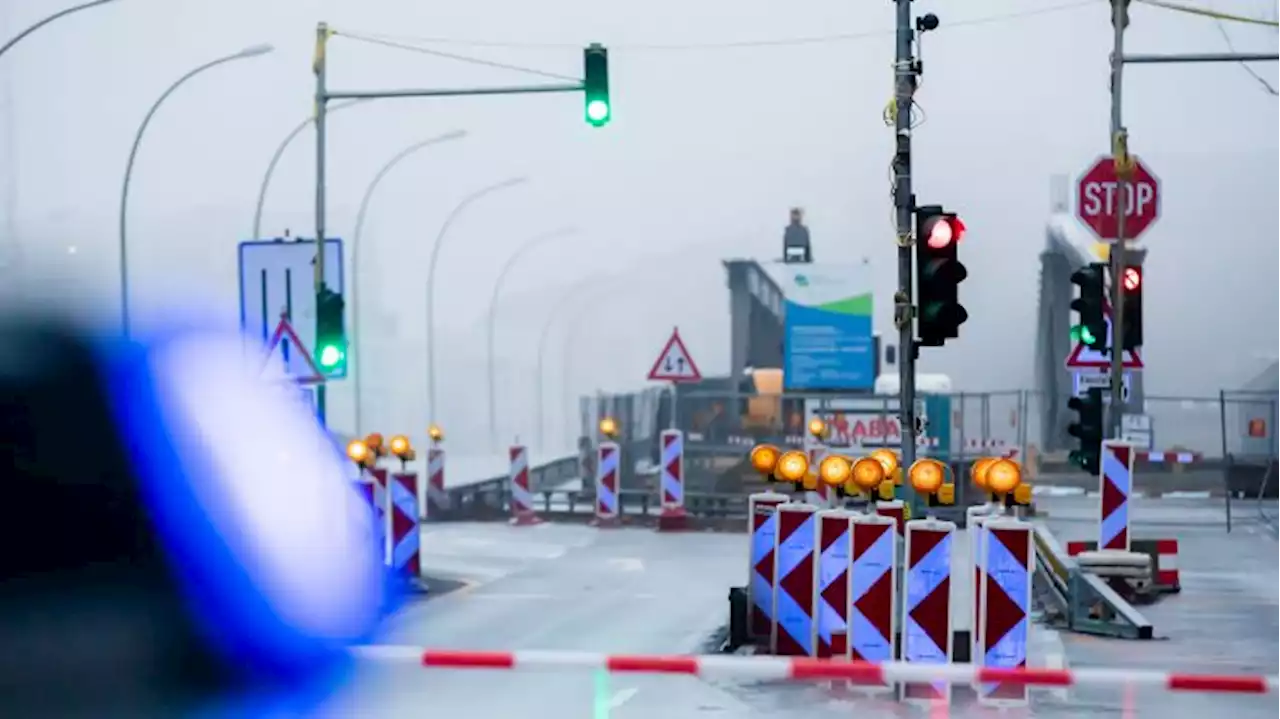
[944, 230]
[1132, 279]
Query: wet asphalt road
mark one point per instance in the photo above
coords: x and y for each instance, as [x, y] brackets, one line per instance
[579, 589]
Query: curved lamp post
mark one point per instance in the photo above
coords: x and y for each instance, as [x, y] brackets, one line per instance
[524, 249]
[355, 252]
[275, 160]
[569, 298]
[60, 14]
[248, 52]
[431, 281]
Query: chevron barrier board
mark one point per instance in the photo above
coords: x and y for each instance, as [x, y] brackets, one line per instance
[794, 631]
[1116, 486]
[926, 611]
[762, 516]
[1008, 561]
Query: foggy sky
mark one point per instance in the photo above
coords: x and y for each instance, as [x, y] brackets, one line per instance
[707, 150]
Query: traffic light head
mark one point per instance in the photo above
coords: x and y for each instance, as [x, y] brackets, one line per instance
[938, 275]
[1087, 429]
[1131, 311]
[595, 85]
[1091, 329]
[331, 339]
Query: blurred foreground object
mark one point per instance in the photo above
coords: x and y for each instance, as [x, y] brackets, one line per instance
[179, 535]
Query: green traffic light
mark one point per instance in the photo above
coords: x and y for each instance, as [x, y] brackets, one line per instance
[597, 112]
[330, 356]
[1081, 333]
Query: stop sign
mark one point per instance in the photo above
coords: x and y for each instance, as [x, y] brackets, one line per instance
[1098, 200]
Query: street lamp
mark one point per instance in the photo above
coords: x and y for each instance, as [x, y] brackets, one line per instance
[248, 52]
[275, 160]
[431, 281]
[539, 384]
[524, 249]
[60, 14]
[358, 368]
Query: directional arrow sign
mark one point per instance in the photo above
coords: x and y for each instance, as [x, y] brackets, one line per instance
[675, 364]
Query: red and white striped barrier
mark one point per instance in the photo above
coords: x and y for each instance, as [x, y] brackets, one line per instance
[1007, 551]
[1167, 563]
[762, 518]
[832, 601]
[794, 631]
[975, 518]
[1115, 477]
[672, 471]
[896, 510]
[873, 592]
[522, 512]
[926, 607]
[608, 460]
[763, 668]
[402, 495]
[437, 501]
[1169, 457]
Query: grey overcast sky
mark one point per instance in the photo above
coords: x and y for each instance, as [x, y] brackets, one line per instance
[707, 150]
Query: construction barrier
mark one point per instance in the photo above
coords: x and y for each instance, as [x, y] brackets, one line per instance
[821, 495]
[1007, 554]
[402, 508]
[762, 517]
[367, 490]
[522, 513]
[608, 458]
[381, 502]
[975, 517]
[1116, 480]
[794, 631]
[834, 545]
[1164, 554]
[672, 479]
[437, 500]
[926, 610]
[763, 668]
[895, 509]
[873, 593]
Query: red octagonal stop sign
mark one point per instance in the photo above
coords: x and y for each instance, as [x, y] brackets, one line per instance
[1098, 200]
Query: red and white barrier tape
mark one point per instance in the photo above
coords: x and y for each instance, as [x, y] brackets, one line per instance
[762, 668]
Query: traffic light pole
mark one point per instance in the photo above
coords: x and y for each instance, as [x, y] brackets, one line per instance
[1124, 166]
[324, 95]
[904, 80]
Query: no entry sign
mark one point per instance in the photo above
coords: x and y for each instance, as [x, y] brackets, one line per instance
[1098, 200]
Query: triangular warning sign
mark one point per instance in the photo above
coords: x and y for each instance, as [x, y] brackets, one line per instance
[675, 364]
[287, 358]
[1082, 357]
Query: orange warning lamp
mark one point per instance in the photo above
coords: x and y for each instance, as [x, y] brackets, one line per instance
[358, 452]
[887, 459]
[927, 475]
[1003, 476]
[811, 479]
[374, 442]
[400, 446]
[435, 433]
[817, 428]
[764, 459]
[792, 466]
[609, 427]
[978, 472]
[834, 470]
[867, 473]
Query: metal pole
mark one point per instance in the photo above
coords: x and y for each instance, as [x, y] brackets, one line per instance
[321, 109]
[357, 366]
[275, 160]
[539, 388]
[133, 156]
[904, 204]
[524, 249]
[1119, 20]
[1203, 57]
[60, 14]
[432, 408]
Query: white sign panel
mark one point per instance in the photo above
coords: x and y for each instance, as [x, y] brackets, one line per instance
[279, 277]
[1085, 381]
